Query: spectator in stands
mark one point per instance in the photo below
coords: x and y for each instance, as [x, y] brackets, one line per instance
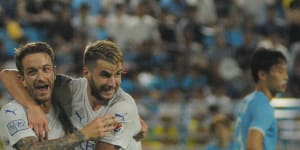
[221, 129]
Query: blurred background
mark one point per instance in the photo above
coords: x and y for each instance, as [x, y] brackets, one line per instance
[187, 61]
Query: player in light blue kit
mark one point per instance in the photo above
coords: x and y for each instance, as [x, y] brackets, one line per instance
[256, 126]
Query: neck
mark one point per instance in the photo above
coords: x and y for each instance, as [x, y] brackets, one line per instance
[265, 90]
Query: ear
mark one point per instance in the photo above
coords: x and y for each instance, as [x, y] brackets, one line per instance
[85, 71]
[54, 71]
[21, 79]
[262, 75]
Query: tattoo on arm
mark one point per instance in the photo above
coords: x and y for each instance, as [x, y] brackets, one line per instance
[65, 143]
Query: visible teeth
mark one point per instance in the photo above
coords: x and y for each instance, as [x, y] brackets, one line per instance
[42, 86]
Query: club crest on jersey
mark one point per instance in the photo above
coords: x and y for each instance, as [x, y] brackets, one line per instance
[118, 128]
[16, 126]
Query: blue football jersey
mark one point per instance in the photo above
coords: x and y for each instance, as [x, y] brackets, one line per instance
[255, 112]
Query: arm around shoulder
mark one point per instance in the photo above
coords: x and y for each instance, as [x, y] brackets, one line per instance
[96, 129]
[10, 79]
[64, 143]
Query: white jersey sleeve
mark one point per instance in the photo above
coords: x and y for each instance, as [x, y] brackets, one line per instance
[78, 86]
[14, 123]
[126, 113]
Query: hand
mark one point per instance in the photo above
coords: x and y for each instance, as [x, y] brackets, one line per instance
[142, 134]
[99, 127]
[37, 120]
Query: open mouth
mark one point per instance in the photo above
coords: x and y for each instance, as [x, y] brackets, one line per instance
[42, 88]
[107, 89]
[110, 91]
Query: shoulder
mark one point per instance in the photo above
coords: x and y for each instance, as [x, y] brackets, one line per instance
[258, 99]
[78, 82]
[124, 95]
[260, 105]
[12, 108]
[122, 99]
[13, 117]
[65, 80]
[121, 95]
[78, 85]
[123, 103]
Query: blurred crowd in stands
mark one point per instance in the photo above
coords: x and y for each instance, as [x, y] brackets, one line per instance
[186, 60]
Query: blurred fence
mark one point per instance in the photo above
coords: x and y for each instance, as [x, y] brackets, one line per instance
[287, 112]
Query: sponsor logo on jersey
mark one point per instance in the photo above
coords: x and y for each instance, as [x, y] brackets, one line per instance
[80, 116]
[10, 111]
[120, 117]
[16, 126]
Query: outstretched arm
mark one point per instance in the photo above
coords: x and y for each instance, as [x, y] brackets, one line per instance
[96, 129]
[36, 117]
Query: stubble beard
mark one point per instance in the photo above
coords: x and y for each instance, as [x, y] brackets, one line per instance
[35, 97]
[96, 92]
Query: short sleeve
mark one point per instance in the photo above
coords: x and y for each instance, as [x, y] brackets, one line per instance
[129, 125]
[14, 124]
[262, 116]
[76, 85]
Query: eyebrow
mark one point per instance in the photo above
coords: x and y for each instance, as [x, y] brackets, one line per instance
[106, 73]
[47, 65]
[109, 73]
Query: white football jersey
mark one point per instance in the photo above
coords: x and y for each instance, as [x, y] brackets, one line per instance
[14, 124]
[122, 105]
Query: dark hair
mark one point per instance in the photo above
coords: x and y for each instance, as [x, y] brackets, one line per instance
[105, 50]
[31, 48]
[263, 59]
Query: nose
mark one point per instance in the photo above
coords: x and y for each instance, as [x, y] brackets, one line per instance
[40, 75]
[112, 81]
[286, 76]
